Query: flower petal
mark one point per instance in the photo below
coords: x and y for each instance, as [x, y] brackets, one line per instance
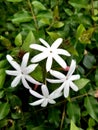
[49, 63]
[45, 91]
[12, 62]
[66, 90]
[24, 82]
[37, 47]
[71, 68]
[51, 101]
[56, 43]
[35, 93]
[60, 61]
[54, 80]
[63, 52]
[57, 74]
[55, 94]
[39, 57]
[12, 72]
[75, 77]
[44, 42]
[37, 102]
[30, 79]
[31, 68]
[44, 103]
[16, 81]
[25, 60]
[73, 86]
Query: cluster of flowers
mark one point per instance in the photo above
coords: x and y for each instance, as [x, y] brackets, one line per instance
[48, 52]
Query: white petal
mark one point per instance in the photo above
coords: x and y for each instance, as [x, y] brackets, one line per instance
[63, 52]
[54, 80]
[25, 60]
[71, 68]
[24, 82]
[37, 102]
[56, 43]
[16, 81]
[39, 57]
[44, 103]
[37, 47]
[66, 90]
[30, 79]
[12, 72]
[31, 68]
[57, 74]
[13, 62]
[44, 42]
[49, 63]
[60, 61]
[73, 86]
[45, 91]
[55, 94]
[61, 87]
[75, 77]
[35, 93]
[51, 101]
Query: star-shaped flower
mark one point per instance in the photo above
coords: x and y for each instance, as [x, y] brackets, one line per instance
[45, 98]
[50, 52]
[22, 71]
[67, 81]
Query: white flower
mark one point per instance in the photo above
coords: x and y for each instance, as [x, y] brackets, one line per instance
[67, 81]
[50, 52]
[22, 71]
[45, 98]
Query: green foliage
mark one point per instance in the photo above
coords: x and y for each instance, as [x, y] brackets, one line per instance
[22, 23]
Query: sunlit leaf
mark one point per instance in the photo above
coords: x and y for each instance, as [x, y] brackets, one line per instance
[2, 77]
[14, 0]
[18, 40]
[80, 30]
[73, 126]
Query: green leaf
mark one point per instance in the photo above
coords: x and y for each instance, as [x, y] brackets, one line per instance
[80, 30]
[29, 40]
[3, 123]
[18, 40]
[96, 77]
[58, 24]
[73, 111]
[14, 0]
[1, 94]
[4, 110]
[2, 77]
[91, 105]
[21, 17]
[53, 35]
[3, 63]
[73, 126]
[82, 82]
[89, 60]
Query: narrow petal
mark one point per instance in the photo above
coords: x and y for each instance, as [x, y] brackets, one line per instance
[56, 43]
[35, 93]
[12, 72]
[75, 77]
[51, 101]
[31, 68]
[54, 80]
[16, 81]
[73, 86]
[30, 79]
[13, 62]
[44, 103]
[71, 68]
[25, 60]
[60, 61]
[37, 102]
[44, 42]
[24, 82]
[57, 74]
[39, 57]
[49, 63]
[45, 91]
[62, 86]
[66, 91]
[55, 94]
[37, 47]
[63, 52]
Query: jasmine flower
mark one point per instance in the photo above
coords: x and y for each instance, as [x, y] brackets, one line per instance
[50, 52]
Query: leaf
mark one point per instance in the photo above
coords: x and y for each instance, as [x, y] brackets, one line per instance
[73, 111]
[80, 30]
[81, 83]
[4, 110]
[14, 0]
[53, 35]
[89, 61]
[18, 40]
[1, 94]
[96, 77]
[91, 105]
[73, 126]
[2, 77]
[29, 40]
[58, 24]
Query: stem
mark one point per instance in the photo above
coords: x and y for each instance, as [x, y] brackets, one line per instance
[33, 14]
[92, 7]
